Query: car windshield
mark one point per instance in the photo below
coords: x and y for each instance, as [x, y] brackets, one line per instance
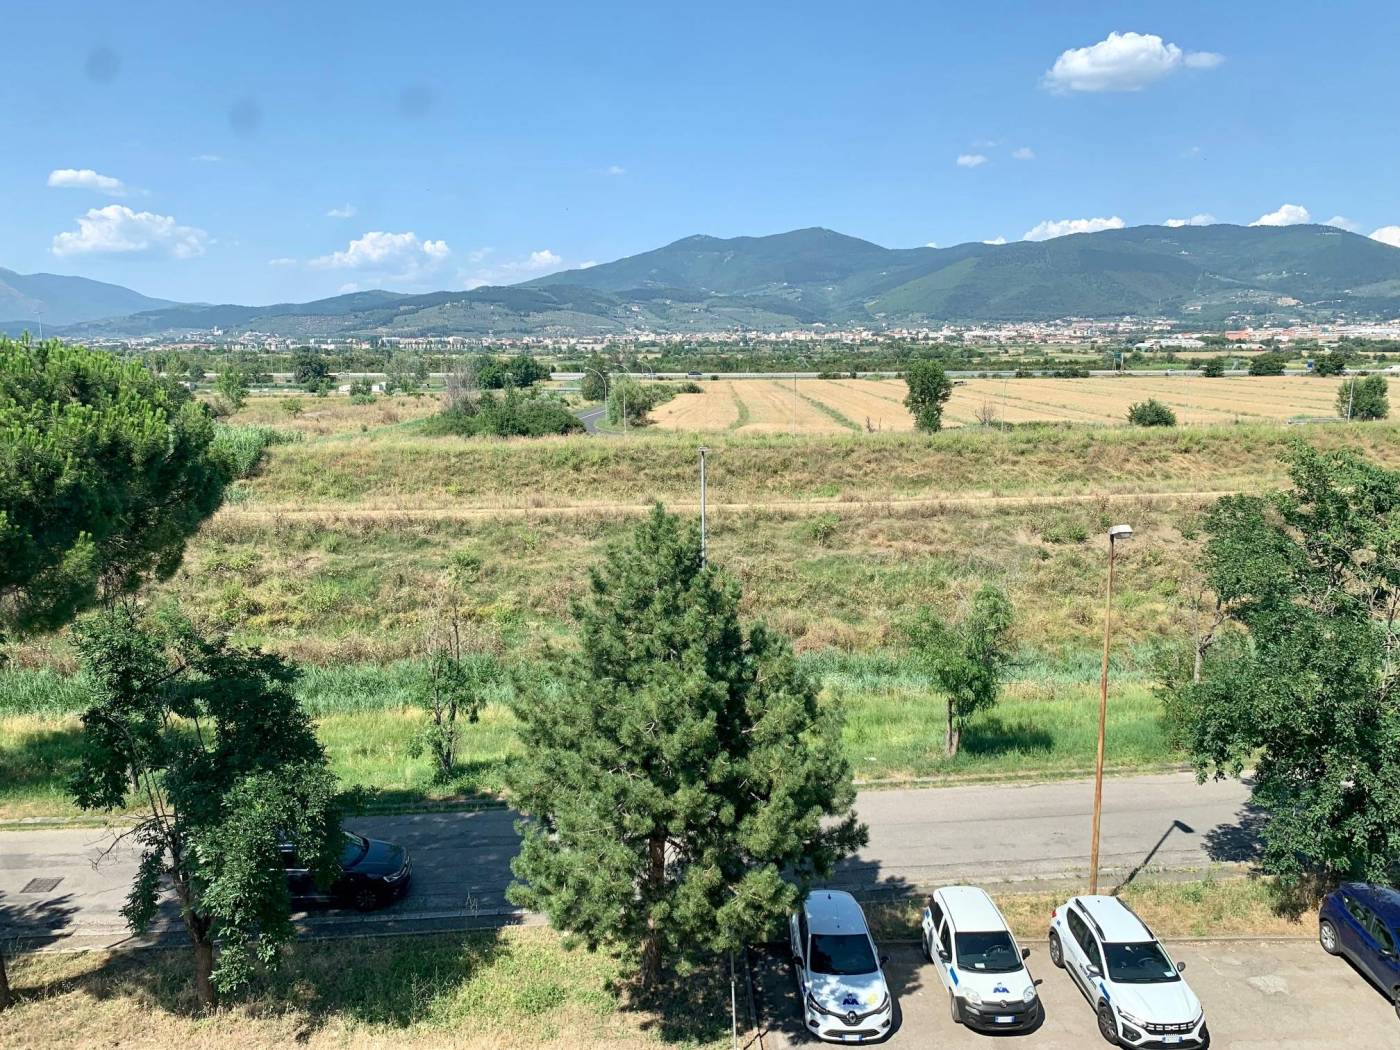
[842, 954]
[1141, 963]
[354, 849]
[991, 952]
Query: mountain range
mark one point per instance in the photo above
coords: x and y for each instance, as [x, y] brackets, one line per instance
[25, 299]
[1205, 274]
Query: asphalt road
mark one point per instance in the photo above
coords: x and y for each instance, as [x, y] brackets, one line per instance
[1257, 995]
[589, 418]
[919, 838]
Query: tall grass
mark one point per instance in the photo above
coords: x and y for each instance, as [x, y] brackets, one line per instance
[244, 445]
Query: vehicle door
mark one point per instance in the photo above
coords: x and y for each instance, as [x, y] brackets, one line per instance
[799, 949]
[932, 920]
[1087, 965]
[943, 960]
[1355, 939]
[1380, 959]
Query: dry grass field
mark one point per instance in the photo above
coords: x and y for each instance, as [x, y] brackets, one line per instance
[333, 414]
[826, 406]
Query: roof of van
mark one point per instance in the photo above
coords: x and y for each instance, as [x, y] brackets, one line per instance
[834, 911]
[972, 911]
[1116, 922]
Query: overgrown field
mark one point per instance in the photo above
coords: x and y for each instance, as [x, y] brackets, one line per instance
[827, 406]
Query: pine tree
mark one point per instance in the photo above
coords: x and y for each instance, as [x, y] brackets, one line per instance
[683, 782]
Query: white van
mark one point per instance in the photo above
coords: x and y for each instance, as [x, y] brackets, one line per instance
[844, 995]
[979, 961]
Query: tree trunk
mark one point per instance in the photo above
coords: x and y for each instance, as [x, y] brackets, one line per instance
[204, 973]
[953, 738]
[651, 944]
[5, 998]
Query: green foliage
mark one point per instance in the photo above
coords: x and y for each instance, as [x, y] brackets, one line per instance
[1366, 397]
[967, 661]
[508, 415]
[105, 471]
[292, 406]
[310, 371]
[1268, 364]
[929, 390]
[1213, 367]
[232, 385]
[242, 447]
[1330, 364]
[455, 683]
[1303, 689]
[405, 374]
[225, 764]
[689, 387]
[1151, 413]
[683, 782]
[634, 400]
[520, 371]
[594, 385]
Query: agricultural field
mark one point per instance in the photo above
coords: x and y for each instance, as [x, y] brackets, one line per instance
[826, 406]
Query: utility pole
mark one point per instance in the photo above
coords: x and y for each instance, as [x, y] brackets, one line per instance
[1351, 397]
[794, 404]
[1114, 534]
[704, 548]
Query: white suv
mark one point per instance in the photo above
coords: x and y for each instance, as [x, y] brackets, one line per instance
[978, 961]
[1137, 991]
[844, 995]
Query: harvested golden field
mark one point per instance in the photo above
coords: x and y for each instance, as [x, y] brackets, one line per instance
[333, 414]
[825, 406]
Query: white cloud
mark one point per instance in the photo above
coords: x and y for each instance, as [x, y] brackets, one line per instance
[207, 158]
[1023, 153]
[616, 169]
[86, 179]
[1123, 62]
[1203, 219]
[1387, 235]
[970, 160]
[118, 229]
[1287, 215]
[1043, 231]
[930, 244]
[347, 211]
[382, 259]
[536, 264]
[1343, 223]
[587, 264]
[996, 240]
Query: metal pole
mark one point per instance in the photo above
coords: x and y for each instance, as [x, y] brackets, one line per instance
[794, 404]
[1103, 719]
[704, 548]
[1351, 398]
[733, 1005]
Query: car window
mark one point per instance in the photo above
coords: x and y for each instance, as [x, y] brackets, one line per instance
[841, 954]
[1077, 929]
[802, 930]
[353, 851]
[945, 938]
[993, 952]
[936, 913]
[289, 857]
[1357, 910]
[1381, 934]
[1142, 962]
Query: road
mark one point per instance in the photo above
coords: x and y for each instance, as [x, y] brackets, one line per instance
[1257, 995]
[589, 417]
[919, 838]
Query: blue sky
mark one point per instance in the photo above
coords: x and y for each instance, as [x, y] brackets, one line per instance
[273, 152]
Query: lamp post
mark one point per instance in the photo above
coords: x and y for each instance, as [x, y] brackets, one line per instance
[1116, 533]
[704, 548]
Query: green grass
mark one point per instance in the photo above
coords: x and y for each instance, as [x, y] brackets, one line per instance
[833, 414]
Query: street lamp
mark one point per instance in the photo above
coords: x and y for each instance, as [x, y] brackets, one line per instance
[1116, 533]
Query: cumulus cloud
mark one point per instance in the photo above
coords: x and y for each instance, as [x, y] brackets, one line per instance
[536, 264]
[930, 244]
[1203, 219]
[381, 258]
[1044, 231]
[970, 160]
[345, 211]
[996, 240]
[116, 229]
[1023, 153]
[1287, 215]
[1343, 223]
[86, 179]
[1123, 62]
[1387, 235]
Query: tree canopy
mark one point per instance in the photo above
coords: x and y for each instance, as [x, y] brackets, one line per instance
[105, 471]
[929, 390]
[1151, 413]
[1364, 398]
[682, 781]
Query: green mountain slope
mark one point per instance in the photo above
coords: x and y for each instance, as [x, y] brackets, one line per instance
[65, 300]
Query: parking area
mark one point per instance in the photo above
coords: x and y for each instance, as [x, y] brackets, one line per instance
[1258, 995]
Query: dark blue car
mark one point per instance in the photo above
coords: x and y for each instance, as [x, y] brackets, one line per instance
[1361, 922]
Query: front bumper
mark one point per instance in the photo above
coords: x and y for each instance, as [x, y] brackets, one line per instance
[1164, 1037]
[1007, 1016]
[849, 1028]
[399, 886]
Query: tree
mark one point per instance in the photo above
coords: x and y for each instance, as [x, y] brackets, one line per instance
[454, 684]
[929, 390]
[1366, 397]
[1213, 367]
[310, 372]
[1302, 683]
[213, 751]
[968, 660]
[232, 385]
[1268, 364]
[629, 400]
[594, 385]
[683, 782]
[1151, 413]
[1330, 364]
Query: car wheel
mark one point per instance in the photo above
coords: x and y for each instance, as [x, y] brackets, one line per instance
[365, 899]
[1327, 937]
[1108, 1027]
[1057, 951]
[953, 1008]
[1397, 1002]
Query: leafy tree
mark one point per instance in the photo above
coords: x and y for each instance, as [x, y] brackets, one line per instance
[233, 385]
[292, 406]
[1364, 398]
[195, 372]
[1302, 684]
[1213, 367]
[929, 390]
[310, 372]
[1268, 364]
[628, 400]
[453, 685]
[967, 660]
[594, 386]
[1151, 413]
[1330, 364]
[105, 471]
[526, 370]
[683, 783]
[212, 749]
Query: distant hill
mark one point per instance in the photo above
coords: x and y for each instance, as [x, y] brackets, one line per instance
[815, 276]
[64, 300]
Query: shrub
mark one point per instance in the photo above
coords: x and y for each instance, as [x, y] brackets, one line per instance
[689, 387]
[292, 406]
[507, 416]
[1364, 398]
[1213, 368]
[1151, 413]
[1269, 364]
[243, 446]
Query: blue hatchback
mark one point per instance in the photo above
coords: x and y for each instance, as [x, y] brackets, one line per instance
[1361, 922]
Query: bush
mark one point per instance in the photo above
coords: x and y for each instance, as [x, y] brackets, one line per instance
[1364, 398]
[1333, 364]
[508, 416]
[243, 446]
[689, 387]
[1214, 368]
[1269, 364]
[1151, 413]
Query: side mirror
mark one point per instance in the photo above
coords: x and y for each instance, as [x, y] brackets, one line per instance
[797, 958]
[943, 956]
[1093, 971]
[1180, 967]
[884, 960]
[1025, 953]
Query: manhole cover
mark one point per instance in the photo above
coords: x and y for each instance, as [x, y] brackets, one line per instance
[41, 885]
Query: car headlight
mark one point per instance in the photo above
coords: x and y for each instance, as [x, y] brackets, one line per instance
[972, 997]
[817, 1007]
[1028, 996]
[1135, 1021]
